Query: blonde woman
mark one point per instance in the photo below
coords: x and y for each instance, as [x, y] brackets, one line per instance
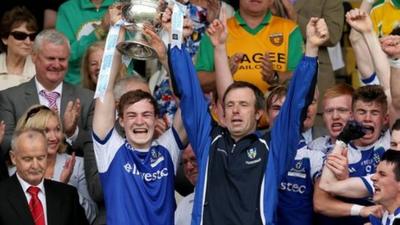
[91, 63]
[60, 166]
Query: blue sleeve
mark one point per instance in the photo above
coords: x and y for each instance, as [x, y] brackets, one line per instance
[194, 107]
[368, 184]
[286, 131]
[195, 116]
[374, 221]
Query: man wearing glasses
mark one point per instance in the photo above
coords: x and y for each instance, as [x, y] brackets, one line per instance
[336, 106]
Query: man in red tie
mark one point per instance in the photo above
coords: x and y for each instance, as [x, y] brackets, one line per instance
[27, 198]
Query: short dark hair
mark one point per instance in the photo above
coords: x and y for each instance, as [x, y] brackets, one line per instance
[371, 93]
[275, 93]
[393, 157]
[260, 102]
[131, 97]
[396, 125]
[14, 18]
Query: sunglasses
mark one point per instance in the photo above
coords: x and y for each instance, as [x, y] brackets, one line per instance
[35, 110]
[21, 36]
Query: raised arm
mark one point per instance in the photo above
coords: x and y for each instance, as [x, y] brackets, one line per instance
[332, 12]
[104, 112]
[363, 56]
[361, 22]
[218, 34]
[360, 48]
[193, 105]
[285, 134]
[391, 46]
[287, 127]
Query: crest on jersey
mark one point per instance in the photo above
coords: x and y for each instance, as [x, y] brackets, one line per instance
[298, 165]
[276, 39]
[377, 158]
[251, 153]
[156, 158]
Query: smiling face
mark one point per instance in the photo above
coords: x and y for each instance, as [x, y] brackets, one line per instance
[385, 184]
[337, 111]
[190, 164]
[241, 115]
[21, 48]
[51, 63]
[54, 135]
[138, 121]
[373, 117]
[94, 64]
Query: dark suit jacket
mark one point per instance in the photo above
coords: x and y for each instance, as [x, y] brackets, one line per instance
[3, 168]
[16, 100]
[62, 202]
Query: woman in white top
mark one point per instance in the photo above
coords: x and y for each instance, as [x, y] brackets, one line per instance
[18, 30]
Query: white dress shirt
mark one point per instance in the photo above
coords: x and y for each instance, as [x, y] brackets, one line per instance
[41, 194]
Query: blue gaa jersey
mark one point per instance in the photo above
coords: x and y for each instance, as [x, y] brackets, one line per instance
[138, 186]
[368, 184]
[362, 162]
[322, 144]
[296, 190]
[387, 218]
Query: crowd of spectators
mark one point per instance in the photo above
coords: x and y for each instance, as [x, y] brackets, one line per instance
[247, 122]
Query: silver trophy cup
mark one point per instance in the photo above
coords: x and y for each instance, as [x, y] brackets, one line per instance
[136, 13]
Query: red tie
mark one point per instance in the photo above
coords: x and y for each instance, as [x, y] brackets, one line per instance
[36, 206]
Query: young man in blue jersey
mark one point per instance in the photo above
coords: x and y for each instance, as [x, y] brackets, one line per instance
[136, 172]
[239, 168]
[295, 205]
[384, 185]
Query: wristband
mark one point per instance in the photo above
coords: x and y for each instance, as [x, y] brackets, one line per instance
[370, 1]
[395, 63]
[356, 210]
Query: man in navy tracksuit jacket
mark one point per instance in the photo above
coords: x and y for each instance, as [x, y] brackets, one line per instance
[239, 174]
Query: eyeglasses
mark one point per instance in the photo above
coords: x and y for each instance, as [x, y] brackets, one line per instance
[21, 36]
[31, 113]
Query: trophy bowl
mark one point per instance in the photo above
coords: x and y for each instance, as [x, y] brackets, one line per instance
[136, 13]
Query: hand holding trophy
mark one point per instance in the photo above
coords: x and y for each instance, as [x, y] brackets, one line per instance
[136, 14]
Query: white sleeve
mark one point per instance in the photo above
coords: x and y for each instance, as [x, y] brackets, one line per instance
[316, 163]
[168, 141]
[106, 149]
